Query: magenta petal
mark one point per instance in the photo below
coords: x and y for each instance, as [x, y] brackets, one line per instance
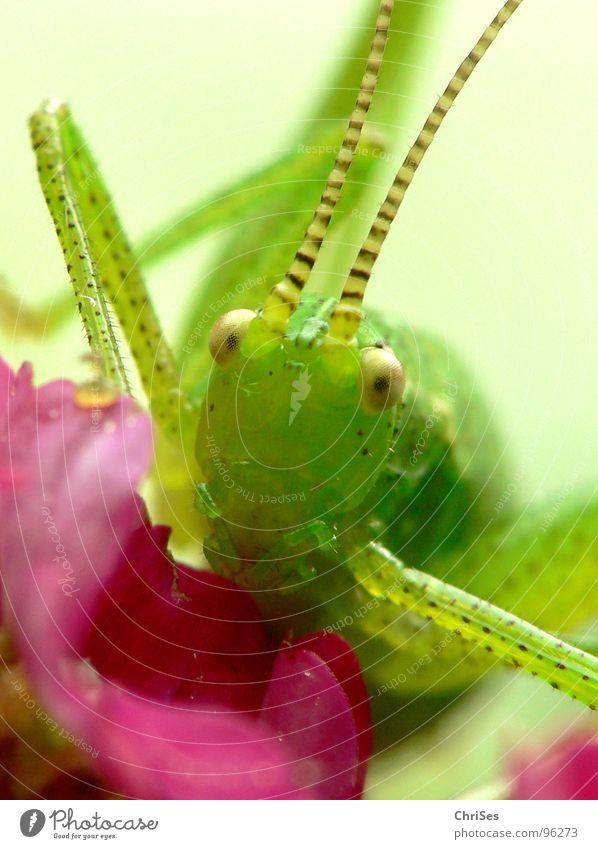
[343, 663]
[71, 508]
[153, 751]
[178, 634]
[309, 710]
[566, 770]
[143, 670]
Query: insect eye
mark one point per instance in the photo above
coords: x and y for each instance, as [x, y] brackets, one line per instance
[383, 379]
[227, 334]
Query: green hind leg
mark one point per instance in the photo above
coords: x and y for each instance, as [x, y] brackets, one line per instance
[503, 635]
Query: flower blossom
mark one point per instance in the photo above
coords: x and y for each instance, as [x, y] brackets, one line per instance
[567, 769]
[165, 674]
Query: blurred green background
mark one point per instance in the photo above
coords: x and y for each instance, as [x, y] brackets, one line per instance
[495, 249]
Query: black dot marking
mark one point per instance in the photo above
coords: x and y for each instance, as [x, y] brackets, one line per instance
[554, 685]
[466, 619]
[211, 407]
[486, 629]
[560, 666]
[521, 647]
[381, 384]
[231, 342]
[365, 452]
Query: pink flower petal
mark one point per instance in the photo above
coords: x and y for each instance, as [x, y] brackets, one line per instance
[305, 706]
[149, 672]
[566, 770]
[154, 751]
[178, 634]
[343, 664]
[73, 506]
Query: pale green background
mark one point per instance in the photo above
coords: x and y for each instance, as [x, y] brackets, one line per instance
[496, 246]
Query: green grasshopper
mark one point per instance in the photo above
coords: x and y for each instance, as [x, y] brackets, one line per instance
[338, 467]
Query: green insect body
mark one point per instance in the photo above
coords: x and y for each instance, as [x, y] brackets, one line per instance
[347, 470]
[434, 506]
[409, 482]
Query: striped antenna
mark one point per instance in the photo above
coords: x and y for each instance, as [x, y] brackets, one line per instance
[346, 317]
[285, 295]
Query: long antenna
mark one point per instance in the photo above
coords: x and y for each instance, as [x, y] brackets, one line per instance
[346, 317]
[285, 295]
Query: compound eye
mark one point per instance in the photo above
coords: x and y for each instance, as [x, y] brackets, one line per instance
[383, 379]
[227, 334]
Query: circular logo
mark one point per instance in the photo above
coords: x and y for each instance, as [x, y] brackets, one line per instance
[32, 822]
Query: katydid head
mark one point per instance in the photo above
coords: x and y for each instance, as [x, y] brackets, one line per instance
[298, 421]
